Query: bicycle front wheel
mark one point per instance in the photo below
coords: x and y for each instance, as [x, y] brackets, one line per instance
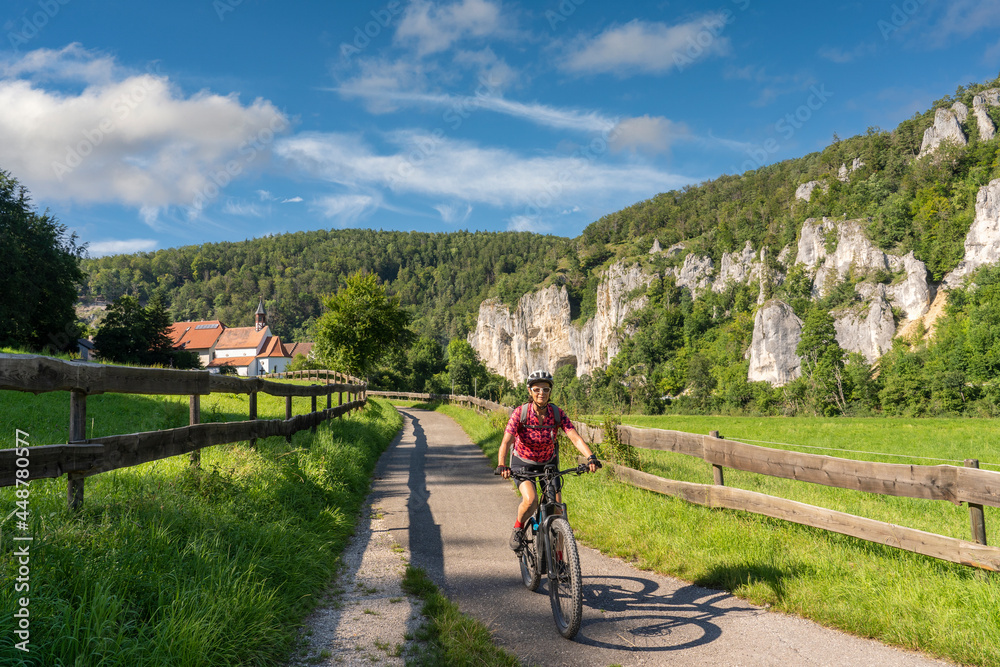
[565, 580]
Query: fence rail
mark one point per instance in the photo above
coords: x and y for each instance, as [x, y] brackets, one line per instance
[81, 458]
[955, 484]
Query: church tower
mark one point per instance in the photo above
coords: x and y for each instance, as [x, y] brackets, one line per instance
[261, 316]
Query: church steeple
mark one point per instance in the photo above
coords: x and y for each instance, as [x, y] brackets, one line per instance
[261, 316]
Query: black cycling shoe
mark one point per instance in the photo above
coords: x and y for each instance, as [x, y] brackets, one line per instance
[517, 539]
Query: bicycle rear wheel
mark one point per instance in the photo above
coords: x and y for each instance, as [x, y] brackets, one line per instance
[565, 585]
[530, 574]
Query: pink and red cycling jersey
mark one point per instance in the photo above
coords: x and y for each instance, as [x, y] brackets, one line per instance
[535, 444]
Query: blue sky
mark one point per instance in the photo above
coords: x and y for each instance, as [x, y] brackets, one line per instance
[152, 125]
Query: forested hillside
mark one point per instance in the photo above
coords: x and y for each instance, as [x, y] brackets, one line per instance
[442, 278]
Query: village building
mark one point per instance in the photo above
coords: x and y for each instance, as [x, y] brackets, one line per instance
[251, 351]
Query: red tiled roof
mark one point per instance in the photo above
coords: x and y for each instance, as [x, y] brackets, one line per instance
[231, 361]
[187, 336]
[295, 349]
[273, 348]
[240, 337]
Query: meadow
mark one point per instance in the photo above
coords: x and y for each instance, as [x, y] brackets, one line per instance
[871, 590]
[170, 565]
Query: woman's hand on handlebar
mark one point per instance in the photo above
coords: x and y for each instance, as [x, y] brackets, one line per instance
[503, 471]
[592, 463]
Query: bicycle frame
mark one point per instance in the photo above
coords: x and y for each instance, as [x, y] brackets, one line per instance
[547, 510]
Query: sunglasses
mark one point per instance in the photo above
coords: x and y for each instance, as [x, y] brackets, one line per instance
[541, 390]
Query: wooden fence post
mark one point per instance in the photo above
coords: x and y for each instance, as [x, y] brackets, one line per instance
[253, 414]
[716, 469]
[313, 397]
[77, 433]
[340, 402]
[195, 419]
[976, 512]
[288, 414]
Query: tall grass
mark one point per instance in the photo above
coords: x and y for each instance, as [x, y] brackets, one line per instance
[169, 565]
[868, 589]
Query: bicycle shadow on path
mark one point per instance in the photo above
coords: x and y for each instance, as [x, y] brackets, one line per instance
[637, 614]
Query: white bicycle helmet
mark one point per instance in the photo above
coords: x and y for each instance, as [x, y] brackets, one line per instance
[539, 376]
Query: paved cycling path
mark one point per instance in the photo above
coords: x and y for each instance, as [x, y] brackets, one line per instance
[442, 502]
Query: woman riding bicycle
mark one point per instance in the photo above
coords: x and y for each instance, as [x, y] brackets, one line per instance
[534, 429]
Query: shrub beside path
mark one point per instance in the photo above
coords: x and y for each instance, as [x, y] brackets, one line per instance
[437, 502]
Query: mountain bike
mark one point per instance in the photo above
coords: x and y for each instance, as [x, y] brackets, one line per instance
[550, 549]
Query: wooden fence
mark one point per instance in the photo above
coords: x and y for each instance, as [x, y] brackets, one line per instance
[977, 488]
[80, 458]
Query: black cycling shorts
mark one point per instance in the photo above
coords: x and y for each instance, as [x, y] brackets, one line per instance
[518, 464]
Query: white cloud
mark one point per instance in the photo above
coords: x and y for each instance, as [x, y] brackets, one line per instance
[647, 134]
[840, 56]
[442, 168]
[431, 28]
[345, 208]
[459, 107]
[120, 247]
[521, 223]
[654, 48]
[235, 207]
[292, 200]
[963, 18]
[124, 138]
[454, 213]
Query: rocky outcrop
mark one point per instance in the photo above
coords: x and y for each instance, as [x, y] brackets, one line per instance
[776, 334]
[844, 173]
[987, 130]
[737, 267]
[656, 247]
[805, 191]
[696, 273]
[945, 128]
[961, 111]
[982, 243]
[855, 254]
[914, 294]
[538, 332]
[868, 330]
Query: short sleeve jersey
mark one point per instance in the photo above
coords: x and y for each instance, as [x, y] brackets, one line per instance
[535, 444]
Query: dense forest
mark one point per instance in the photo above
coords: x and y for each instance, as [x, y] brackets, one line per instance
[685, 353]
[441, 278]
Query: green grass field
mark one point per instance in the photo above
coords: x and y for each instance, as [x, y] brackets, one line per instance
[871, 590]
[165, 565]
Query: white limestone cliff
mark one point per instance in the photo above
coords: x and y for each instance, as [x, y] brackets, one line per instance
[961, 111]
[776, 333]
[805, 191]
[945, 128]
[696, 273]
[538, 332]
[982, 243]
[869, 329]
[737, 267]
[987, 130]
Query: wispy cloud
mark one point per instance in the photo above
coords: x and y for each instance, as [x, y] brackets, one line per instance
[346, 209]
[841, 56]
[118, 247]
[453, 170]
[236, 207]
[291, 200]
[458, 107]
[650, 48]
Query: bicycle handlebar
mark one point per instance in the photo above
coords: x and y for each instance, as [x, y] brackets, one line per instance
[579, 470]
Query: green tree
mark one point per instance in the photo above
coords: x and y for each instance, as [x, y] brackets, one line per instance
[822, 362]
[39, 274]
[131, 334]
[362, 323]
